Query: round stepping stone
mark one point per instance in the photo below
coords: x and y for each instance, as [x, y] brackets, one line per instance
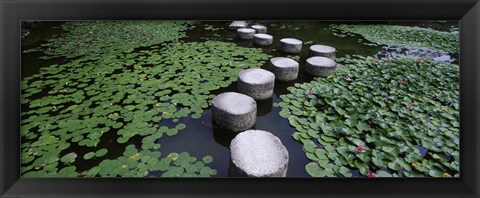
[245, 33]
[234, 111]
[258, 153]
[291, 45]
[259, 29]
[237, 25]
[285, 69]
[323, 50]
[256, 83]
[263, 39]
[320, 66]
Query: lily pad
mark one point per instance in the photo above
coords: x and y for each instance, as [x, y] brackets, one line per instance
[207, 159]
[89, 155]
[69, 158]
[101, 152]
[370, 122]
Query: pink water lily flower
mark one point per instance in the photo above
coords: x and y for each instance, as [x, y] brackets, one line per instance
[347, 78]
[371, 175]
[400, 81]
[419, 62]
[389, 60]
[410, 106]
[360, 149]
[310, 91]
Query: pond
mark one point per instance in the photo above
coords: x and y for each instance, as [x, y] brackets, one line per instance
[138, 103]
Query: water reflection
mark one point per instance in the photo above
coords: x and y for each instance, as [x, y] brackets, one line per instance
[245, 43]
[399, 52]
[223, 136]
[264, 106]
[265, 49]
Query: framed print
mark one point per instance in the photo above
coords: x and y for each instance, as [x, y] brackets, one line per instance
[239, 98]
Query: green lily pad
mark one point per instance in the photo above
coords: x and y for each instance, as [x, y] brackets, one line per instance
[101, 152]
[69, 158]
[381, 173]
[207, 159]
[315, 170]
[89, 155]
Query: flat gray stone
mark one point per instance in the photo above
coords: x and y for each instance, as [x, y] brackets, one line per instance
[285, 69]
[323, 50]
[256, 83]
[234, 111]
[258, 153]
[291, 45]
[245, 33]
[237, 25]
[259, 29]
[320, 66]
[263, 39]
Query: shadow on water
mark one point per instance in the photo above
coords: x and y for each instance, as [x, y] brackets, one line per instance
[223, 136]
[264, 107]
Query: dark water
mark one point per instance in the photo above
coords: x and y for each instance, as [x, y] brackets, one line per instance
[201, 136]
[37, 32]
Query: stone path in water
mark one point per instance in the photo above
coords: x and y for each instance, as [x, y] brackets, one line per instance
[258, 153]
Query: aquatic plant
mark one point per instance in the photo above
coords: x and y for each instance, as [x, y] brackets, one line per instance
[135, 163]
[103, 37]
[409, 37]
[383, 118]
[94, 100]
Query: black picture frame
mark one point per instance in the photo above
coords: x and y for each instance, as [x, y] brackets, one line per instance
[13, 11]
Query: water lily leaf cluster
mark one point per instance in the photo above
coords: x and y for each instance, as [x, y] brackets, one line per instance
[385, 118]
[291, 25]
[210, 27]
[140, 163]
[134, 96]
[409, 37]
[102, 37]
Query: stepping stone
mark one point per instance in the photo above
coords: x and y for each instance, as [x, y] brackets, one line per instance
[256, 83]
[234, 111]
[323, 50]
[245, 33]
[291, 45]
[238, 24]
[258, 153]
[263, 39]
[285, 69]
[259, 29]
[320, 66]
